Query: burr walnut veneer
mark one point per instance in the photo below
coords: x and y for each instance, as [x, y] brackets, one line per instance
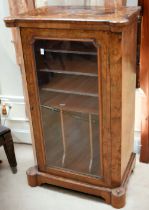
[80, 73]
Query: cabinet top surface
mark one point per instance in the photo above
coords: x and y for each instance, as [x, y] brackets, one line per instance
[75, 14]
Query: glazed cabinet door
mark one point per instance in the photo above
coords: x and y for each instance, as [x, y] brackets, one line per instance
[65, 72]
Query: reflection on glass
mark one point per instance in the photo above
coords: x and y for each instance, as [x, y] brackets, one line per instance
[67, 73]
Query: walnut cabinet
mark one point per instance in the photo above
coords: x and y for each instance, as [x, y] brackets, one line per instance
[80, 74]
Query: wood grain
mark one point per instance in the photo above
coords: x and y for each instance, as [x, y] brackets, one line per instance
[128, 93]
[61, 17]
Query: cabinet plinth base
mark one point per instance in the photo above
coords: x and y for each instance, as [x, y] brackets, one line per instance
[116, 197]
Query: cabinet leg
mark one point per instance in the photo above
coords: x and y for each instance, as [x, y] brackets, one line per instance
[118, 198]
[32, 177]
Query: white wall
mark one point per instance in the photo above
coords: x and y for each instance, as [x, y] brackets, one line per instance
[11, 90]
[9, 71]
[132, 2]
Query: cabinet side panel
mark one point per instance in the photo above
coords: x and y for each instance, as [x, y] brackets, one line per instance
[116, 105]
[128, 93]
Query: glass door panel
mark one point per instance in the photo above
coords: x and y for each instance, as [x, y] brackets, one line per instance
[67, 74]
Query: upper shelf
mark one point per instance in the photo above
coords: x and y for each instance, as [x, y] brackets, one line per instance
[80, 47]
[67, 57]
[64, 15]
[70, 52]
[70, 72]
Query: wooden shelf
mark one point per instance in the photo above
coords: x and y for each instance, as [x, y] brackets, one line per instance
[70, 52]
[68, 57]
[67, 47]
[79, 85]
[64, 71]
[77, 103]
[76, 64]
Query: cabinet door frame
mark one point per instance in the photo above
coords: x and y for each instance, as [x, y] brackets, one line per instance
[28, 36]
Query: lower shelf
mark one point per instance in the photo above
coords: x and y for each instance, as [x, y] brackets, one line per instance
[71, 131]
[70, 102]
[72, 141]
